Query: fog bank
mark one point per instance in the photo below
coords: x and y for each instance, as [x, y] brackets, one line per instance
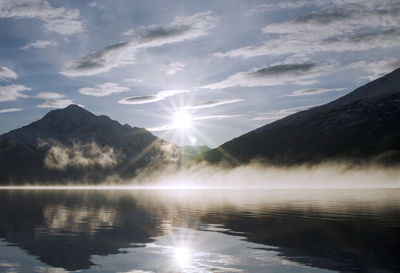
[258, 175]
[249, 176]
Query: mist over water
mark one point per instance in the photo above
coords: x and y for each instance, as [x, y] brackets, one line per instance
[252, 175]
[257, 175]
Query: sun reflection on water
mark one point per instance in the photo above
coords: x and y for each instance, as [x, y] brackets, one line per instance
[183, 256]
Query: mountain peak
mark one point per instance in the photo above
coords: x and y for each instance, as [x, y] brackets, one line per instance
[74, 107]
[71, 112]
[72, 123]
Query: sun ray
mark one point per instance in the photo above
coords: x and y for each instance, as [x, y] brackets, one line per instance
[143, 152]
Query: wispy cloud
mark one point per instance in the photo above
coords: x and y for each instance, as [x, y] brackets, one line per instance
[161, 128]
[123, 53]
[61, 20]
[172, 68]
[102, 90]
[274, 115]
[212, 103]
[129, 32]
[96, 5]
[312, 91]
[151, 98]
[39, 44]
[376, 69]
[272, 75]
[50, 95]
[133, 80]
[13, 92]
[347, 26]
[6, 73]
[216, 117]
[53, 100]
[9, 110]
[55, 103]
[278, 6]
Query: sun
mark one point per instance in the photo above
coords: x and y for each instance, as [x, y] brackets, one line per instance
[182, 120]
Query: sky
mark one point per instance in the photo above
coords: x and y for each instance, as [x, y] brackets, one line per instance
[225, 67]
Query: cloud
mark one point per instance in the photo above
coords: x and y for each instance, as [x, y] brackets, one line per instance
[377, 69]
[161, 128]
[64, 21]
[53, 100]
[133, 80]
[6, 73]
[338, 21]
[268, 76]
[13, 92]
[361, 41]
[137, 271]
[348, 26]
[123, 53]
[9, 110]
[50, 95]
[281, 113]
[151, 98]
[172, 68]
[278, 6]
[79, 155]
[55, 213]
[140, 99]
[315, 19]
[216, 117]
[96, 5]
[129, 32]
[39, 44]
[212, 103]
[312, 91]
[102, 90]
[55, 103]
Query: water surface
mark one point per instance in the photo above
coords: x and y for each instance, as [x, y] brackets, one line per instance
[140, 231]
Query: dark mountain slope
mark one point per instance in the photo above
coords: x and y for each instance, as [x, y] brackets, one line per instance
[361, 126]
[72, 144]
[77, 124]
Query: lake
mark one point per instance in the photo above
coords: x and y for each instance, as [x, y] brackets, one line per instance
[141, 231]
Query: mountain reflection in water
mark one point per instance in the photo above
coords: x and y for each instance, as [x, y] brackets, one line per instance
[200, 231]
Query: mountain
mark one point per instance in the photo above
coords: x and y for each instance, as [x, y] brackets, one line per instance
[190, 152]
[361, 126]
[72, 144]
